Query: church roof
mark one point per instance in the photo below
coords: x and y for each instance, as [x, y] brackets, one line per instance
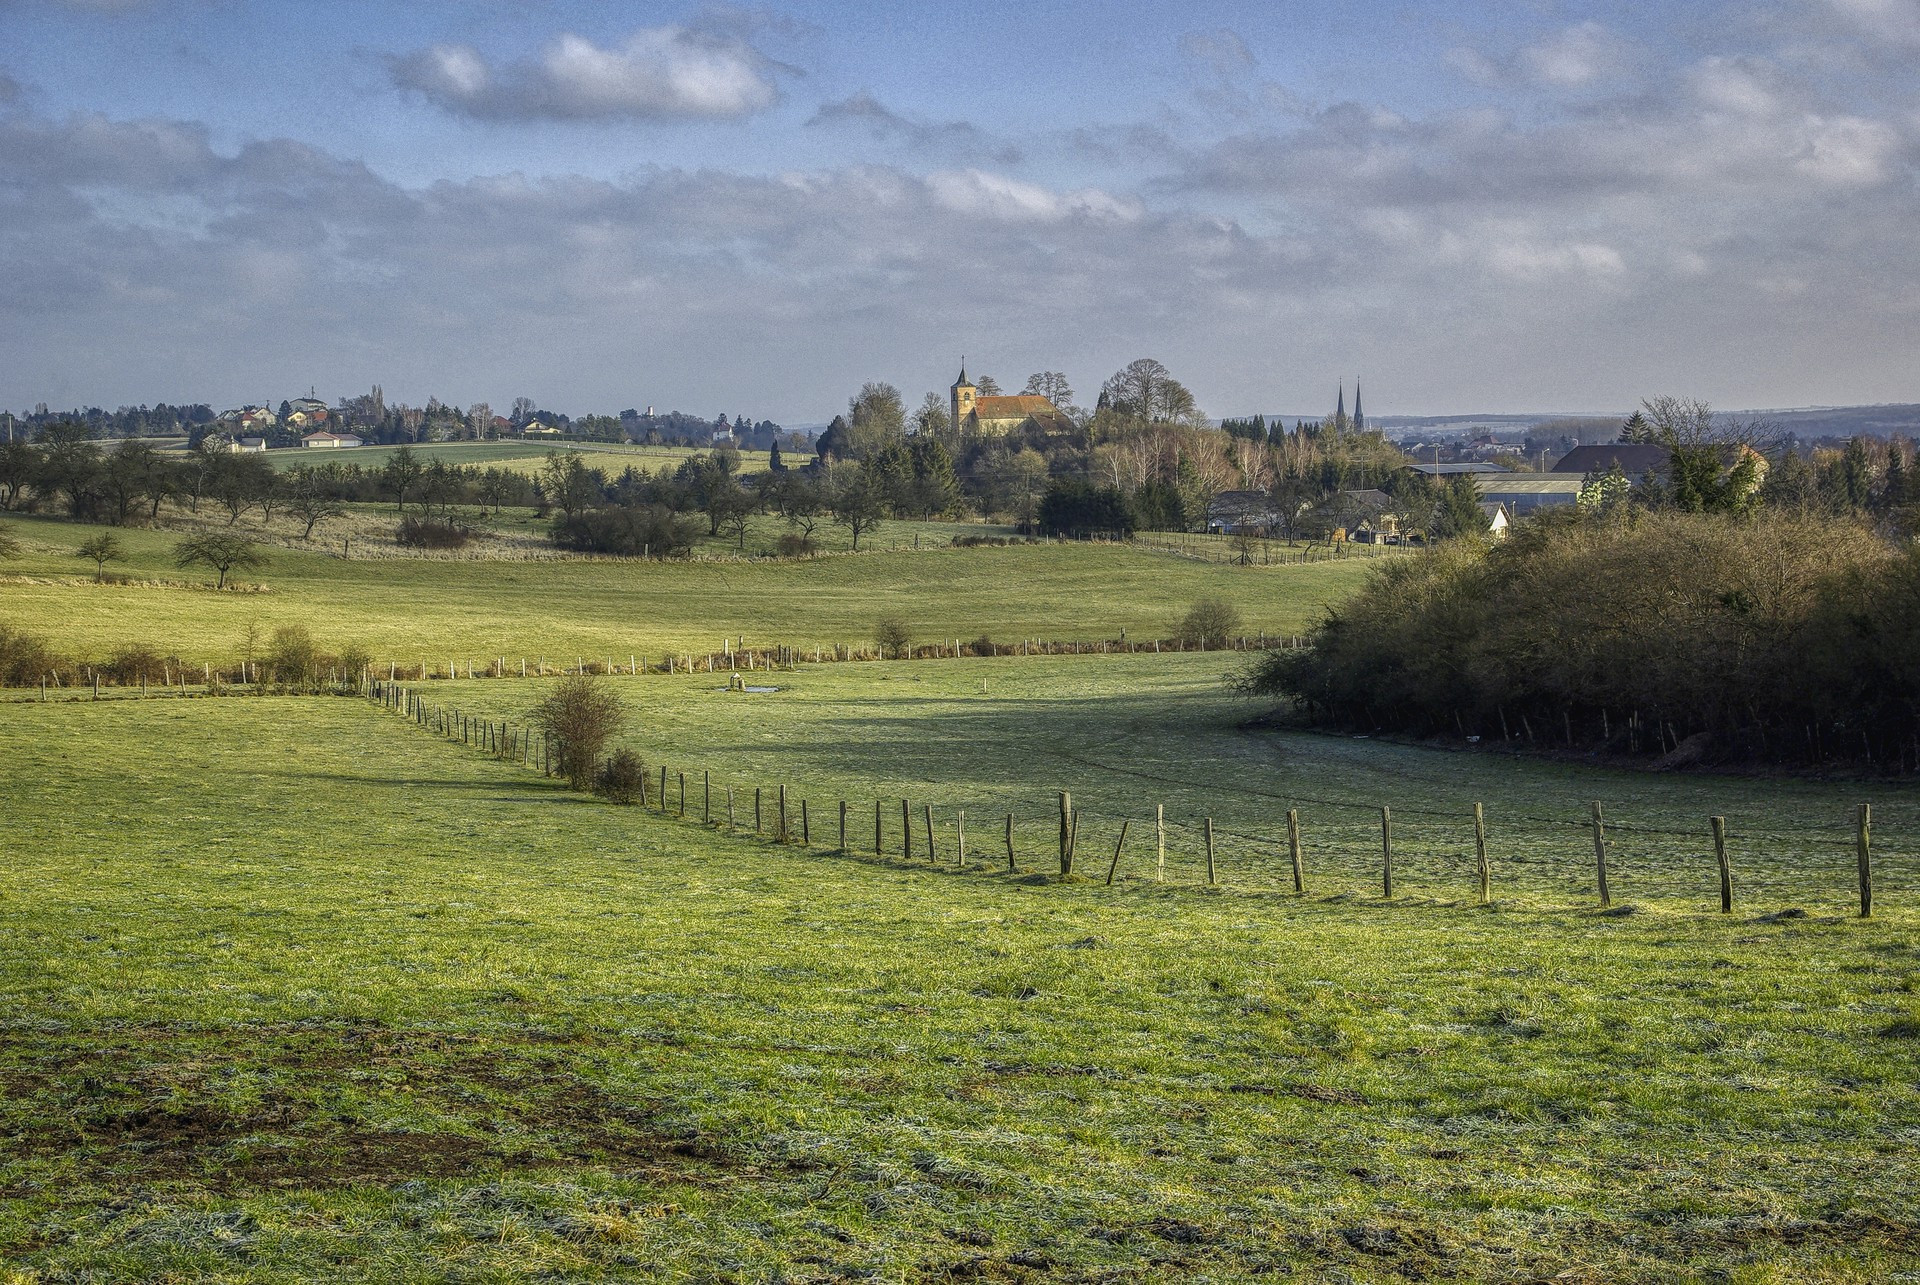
[1019, 406]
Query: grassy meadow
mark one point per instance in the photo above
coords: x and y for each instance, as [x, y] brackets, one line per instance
[516, 456]
[407, 609]
[294, 991]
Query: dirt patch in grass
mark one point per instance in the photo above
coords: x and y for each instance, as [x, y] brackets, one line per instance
[292, 1105]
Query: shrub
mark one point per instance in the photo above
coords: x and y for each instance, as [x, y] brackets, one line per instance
[137, 661]
[24, 658]
[622, 778]
[579, 717]
[352, 662]
[292, 657]
[984, 646]
[891, 634]
[1210, 621]
[418, 533]
[631, 531]
[793, 545]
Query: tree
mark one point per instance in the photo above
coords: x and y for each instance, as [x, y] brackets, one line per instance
[1637, 430]
[100, 550]
[857, 501]
[237, 482]
[133, 471]
[933, 418]
[579, 716]
[1211, 621]
[835, 443]
[798, 499]
[775, 462]
[19, 465]
[1053, 386]
[891, 634]
[936, 491]
[310, 500]
[222, 552]
[400, 474]
[875, 416]
[1459, 512]
[987, 386]
[1145, 390]
[70, 464]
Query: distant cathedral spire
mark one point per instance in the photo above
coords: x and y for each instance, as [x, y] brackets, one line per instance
[1340, 409]
[1359, 416]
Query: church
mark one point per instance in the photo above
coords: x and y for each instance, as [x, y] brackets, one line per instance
[999, 416]
[1359, 420]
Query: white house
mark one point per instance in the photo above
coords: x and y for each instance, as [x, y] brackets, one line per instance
[329, 440]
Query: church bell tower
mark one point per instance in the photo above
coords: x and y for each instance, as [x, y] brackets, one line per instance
[962, 397]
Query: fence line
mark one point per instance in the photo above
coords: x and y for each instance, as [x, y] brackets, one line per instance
[1465, 855]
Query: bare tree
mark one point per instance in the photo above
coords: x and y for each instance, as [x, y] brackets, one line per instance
[101, 550]
[1053, 386]
[221, 551]
[1147, 390]
[579, 716]
[309, 501]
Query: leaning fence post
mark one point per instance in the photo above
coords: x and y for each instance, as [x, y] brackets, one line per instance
[729, 809]
[784, 833]
[1066, 817]
[663, 789]
[1293, 849]
[806, 833]
[929, 818]
[1386, 853]
[1118, 844]
[1010, 865]
[960, 838]
[1210, 879]
[1600, 853]
[843, 827]
[1480, 853]
[1719, 825]
[1863, 848]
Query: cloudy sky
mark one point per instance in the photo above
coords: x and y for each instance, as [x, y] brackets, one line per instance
[1506, 205]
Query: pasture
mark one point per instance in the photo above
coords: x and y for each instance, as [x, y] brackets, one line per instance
[516, 456]
[296, 991]
[409, 609]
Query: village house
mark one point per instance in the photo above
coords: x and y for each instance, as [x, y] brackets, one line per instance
[328, 440]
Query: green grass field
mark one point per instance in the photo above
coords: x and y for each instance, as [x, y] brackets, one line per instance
[295, 991]
[408, 609]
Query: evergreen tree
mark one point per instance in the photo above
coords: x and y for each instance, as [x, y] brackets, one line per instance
[775, 463]
[1638, 430]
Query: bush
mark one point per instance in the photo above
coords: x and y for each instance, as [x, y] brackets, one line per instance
[622, 778]
[291, 657]
[630, 531]
[794, 545]
[1211, 622]
[1077, 509]
[984, 646]
[891, 634]
[579, 717]
[418, 533]
[137, 661]
[352, 662]
[24, 658]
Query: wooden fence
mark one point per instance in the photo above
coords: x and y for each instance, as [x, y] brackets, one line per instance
[1593, 856]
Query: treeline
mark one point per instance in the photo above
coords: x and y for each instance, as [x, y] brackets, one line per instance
[1784, 637]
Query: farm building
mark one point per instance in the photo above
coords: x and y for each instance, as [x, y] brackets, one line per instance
[1241, 513]
[248, 445]
[324, 439]
[1635, 459]
[1522, 493]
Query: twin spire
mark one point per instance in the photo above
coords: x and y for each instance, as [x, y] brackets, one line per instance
[1340, 408]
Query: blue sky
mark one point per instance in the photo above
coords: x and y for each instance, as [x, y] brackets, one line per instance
[1501, 206]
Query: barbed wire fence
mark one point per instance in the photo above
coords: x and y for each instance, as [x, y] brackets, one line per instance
[1320, 846]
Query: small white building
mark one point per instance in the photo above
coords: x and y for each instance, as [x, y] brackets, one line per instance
[326, 440]
[248, 446]
[1497, 521]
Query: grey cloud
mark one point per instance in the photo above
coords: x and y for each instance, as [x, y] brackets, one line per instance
[945, 138]
[657, 73]
[1586, 56]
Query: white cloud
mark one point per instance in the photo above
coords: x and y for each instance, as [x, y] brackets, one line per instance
[1896, 22]
[656, 73]
[1575, 58]
[995, 196]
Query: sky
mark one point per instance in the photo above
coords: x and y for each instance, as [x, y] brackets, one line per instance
[1508, 206]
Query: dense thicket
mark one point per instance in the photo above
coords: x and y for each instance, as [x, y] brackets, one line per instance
[1783, 638]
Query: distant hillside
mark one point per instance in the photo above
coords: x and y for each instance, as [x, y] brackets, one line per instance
[1807, 422]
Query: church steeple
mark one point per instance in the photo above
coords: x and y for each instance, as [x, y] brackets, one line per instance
[1340, 408]
[961, 397]
[1359, 416]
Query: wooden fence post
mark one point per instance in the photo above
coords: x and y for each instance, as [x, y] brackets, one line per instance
[1118, 844]
[1010, 866]
[1159, 843]
[643, 789]
[806, 832]
[1863, 849]
[1480, 853]
[906, 831]
[785, 834]
[1386, 853]
[877, 849]
[1293, 850]
[756, 809]
[1719, 825]
[1600, 854]
[663, 789]
[706, 797]
[960, 838]
[843, 827]
[729, 809]
[1210, 878]
[1066, 819]
[929, 820]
